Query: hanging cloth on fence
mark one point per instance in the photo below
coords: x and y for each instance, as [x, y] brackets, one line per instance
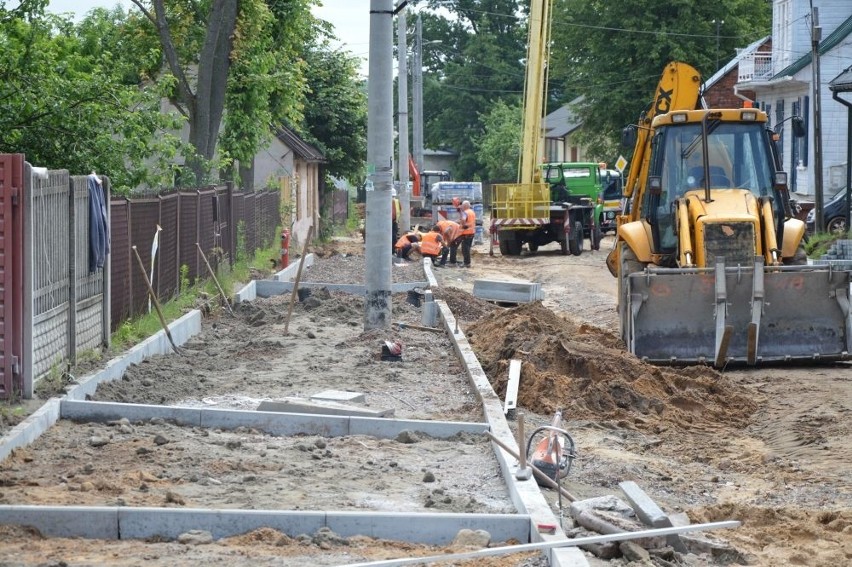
[98, 224]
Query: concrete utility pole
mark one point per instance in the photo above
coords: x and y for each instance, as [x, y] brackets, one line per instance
[402, 120]
[377, 304]
[816, 35]
[417, 95]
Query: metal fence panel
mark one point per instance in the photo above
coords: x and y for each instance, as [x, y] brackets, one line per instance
[145, 213]
[122, 291]
[51, 263]
[168, 267]
[189, 233]
[86, 326]
[12, 189]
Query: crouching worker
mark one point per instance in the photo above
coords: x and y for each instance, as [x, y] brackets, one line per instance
[405, 244]
[431, 244]
[450, 231]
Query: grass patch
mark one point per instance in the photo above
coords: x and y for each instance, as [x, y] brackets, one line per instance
[818, 244]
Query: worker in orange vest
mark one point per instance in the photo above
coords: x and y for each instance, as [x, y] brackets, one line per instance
[450, 231]
[405, 244]
[431, 244]
[467, 223]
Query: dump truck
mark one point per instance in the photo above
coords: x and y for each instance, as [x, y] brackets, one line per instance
[526, 212]
[709, 259]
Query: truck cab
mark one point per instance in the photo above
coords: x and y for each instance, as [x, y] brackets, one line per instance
[612, 195]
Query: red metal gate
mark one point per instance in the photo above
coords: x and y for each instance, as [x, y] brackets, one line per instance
[11, 273]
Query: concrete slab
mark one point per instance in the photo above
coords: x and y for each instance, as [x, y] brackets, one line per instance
[508, 291]
[303, 405]
[143, 523]
[30, 429]
[526, 494]
[340, 396]
[101, 412]
[247, 293]
[277, 423]
[94, 522]
[436, 529]
[289, 273]
[649, 512]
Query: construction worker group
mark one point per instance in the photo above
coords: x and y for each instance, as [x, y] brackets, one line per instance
[443, 240]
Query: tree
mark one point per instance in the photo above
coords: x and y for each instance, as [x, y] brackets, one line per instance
[499, 147]
[66, 104]
[613, 53]
[199, 59]
[267, 85]
[478, 62]
[336, 117]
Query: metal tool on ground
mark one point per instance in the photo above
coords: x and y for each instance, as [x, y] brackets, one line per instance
[524, 547]
[215, 280]
[418, 327]
[156, 301]
[549, 482]
[298, 277]
[554, 452]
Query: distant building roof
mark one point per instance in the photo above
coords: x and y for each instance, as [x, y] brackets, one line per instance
[562, 121]
[825, 46]
[300, 147]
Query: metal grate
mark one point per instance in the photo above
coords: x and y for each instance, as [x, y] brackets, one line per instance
[732, 240]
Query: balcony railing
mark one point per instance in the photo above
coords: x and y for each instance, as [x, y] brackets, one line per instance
[755, 66]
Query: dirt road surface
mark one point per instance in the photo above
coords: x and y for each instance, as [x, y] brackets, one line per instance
[769, 446]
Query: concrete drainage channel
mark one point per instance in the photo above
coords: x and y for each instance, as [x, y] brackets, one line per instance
[122, 522]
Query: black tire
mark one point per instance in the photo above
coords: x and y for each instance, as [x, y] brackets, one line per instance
[837, 225]
[575, 243]
[515, 246]
[510, 245]
[533, 246]
[596, 238]
[563, 244]
[504, 246]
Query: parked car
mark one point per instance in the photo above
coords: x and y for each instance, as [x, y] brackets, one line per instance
[834, 213]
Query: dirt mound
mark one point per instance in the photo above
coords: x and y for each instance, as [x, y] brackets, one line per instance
[782, 534]
[584, 371]
[465, 306]
[338, 247]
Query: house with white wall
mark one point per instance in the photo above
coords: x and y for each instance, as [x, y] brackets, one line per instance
[294, 167]
[782, 79]
[560, 129]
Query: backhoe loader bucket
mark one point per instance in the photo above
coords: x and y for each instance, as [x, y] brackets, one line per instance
[739, 315]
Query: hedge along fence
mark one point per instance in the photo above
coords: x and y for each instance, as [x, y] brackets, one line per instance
[210, 217]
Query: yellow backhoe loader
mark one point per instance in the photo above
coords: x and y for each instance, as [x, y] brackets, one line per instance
[709, 259]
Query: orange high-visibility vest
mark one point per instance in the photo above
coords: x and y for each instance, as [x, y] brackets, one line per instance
[405, 240]
[430, 244]
[450, 230]
[468, 227]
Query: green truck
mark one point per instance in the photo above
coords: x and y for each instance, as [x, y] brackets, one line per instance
[563, 205]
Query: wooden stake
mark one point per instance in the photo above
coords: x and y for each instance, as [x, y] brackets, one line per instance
[296, 281]
[213, 275]
[155, 300]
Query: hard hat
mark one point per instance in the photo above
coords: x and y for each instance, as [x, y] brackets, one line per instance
[393, 192]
